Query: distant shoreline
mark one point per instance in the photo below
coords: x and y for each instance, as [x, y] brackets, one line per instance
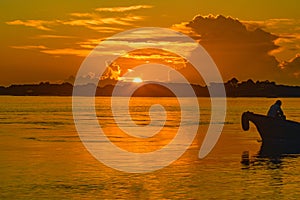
[233, 89]
[7, 95]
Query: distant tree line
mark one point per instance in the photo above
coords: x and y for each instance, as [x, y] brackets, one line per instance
[233, 88]
[266, 88]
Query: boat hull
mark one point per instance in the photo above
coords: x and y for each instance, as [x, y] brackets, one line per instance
[273, 131]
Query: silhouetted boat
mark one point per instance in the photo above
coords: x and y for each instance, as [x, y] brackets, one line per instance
[282, 133]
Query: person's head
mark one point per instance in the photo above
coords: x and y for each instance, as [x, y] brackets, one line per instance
[278, 102]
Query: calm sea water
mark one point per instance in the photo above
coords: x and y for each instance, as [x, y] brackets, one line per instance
[41, 155]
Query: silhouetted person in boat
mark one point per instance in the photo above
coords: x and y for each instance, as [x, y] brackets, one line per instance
[275, 111]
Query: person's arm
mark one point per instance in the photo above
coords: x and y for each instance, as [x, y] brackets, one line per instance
[279, 111]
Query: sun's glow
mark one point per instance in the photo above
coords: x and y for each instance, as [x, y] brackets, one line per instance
[137, 80]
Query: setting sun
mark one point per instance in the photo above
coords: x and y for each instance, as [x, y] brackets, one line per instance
[137, 80]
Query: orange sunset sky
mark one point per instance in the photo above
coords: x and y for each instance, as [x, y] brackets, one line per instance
[48, 40]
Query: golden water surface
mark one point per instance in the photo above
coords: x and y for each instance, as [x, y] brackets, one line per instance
[41, 155]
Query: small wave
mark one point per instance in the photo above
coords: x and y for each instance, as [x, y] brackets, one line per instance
[51, 140]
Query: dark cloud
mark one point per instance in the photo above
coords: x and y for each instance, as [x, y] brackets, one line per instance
[237, 50]
[292, 69]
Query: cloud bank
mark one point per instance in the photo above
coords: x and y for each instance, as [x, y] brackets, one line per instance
[292, 67]
[238, 50]
[241, 49]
